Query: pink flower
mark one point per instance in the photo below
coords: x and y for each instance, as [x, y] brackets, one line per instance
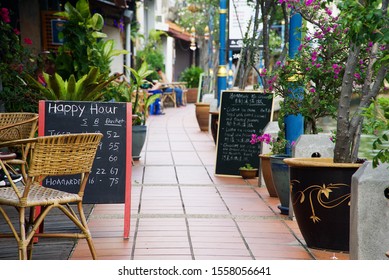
[328, 11]
[5, 15]
[308, 2]
[28, 41]
[337, 68]
[314, 56]
[16, 31]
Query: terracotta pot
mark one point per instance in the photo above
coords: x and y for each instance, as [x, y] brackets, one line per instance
[248, 173]
[191, 95]
[320, 195]
[267, 176]
[202, 115]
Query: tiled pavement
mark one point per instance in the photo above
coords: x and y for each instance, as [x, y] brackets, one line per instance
[182, 211]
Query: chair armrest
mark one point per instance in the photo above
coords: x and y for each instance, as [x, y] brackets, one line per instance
[17, 142]
[18, 123]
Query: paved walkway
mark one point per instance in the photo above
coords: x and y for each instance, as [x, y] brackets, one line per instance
[182, 211]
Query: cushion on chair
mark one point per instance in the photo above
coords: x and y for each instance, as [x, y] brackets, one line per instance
[36, 196]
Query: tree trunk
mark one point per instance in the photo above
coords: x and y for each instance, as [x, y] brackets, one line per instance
[344, 134]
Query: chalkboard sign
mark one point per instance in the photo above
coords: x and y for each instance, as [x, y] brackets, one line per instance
[110, 178]
[242, 113]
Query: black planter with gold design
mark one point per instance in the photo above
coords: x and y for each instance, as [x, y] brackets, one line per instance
[320, 195]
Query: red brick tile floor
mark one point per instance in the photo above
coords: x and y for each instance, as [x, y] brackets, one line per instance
[181, 211]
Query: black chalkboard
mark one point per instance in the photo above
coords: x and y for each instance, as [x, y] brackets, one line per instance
[242, 113]
[110, 173]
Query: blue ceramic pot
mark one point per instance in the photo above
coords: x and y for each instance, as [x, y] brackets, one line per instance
[280, 174]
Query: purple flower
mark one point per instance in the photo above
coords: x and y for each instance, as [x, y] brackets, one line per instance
[308, 2]
[314, 56]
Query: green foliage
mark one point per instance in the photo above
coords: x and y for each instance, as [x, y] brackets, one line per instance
[152, 53]
[15, 60]
[376, 122]
[383, 154]
[247, 166]
[16, 97]
[83, 46]
[376, 116]
[88, 88]
[199, 16]
[138, 79]
[191, 76]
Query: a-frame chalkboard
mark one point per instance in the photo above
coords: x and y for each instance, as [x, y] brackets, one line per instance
[110, 179]
[242, 113]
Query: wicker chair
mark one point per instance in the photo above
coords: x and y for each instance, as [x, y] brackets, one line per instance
[50, 156]
[15, 126]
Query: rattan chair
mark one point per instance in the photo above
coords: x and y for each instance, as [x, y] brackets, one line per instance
[15, 126]
[50, 156]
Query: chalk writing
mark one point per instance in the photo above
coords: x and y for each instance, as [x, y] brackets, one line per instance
[241, 114]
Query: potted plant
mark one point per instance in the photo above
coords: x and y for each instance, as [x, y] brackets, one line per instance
[84, 45]
[191, 76]
[274, 164]
[141, 101]
[248, 172]
[359, 35]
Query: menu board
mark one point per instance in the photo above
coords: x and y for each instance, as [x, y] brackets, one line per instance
[242, 113]
[111, 171]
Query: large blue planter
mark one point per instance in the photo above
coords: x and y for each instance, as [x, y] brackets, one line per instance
[280, 174]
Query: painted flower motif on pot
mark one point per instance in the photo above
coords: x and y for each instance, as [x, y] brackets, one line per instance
[317, 192]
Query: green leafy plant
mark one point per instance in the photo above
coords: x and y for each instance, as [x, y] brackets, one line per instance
[15, 61]
[152, 53]
[247, 166]
[376, 122]
[88, 88]
[360, 32]
[83, 46]
[138, 80]
[191, 76]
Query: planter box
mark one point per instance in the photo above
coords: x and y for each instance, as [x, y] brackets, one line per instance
[191, 95]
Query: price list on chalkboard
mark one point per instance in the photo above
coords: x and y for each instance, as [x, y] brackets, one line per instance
[107, 180]
[242, 113]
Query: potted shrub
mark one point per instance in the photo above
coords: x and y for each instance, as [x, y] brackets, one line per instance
[191, 76]
[273, 163]
[248, 172]
[359, 32]
[141, 101]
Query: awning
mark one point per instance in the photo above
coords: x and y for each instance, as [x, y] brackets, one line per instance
[177, 31]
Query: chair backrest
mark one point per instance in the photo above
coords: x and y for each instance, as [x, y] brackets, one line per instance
[63, 154]
[14, 126]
